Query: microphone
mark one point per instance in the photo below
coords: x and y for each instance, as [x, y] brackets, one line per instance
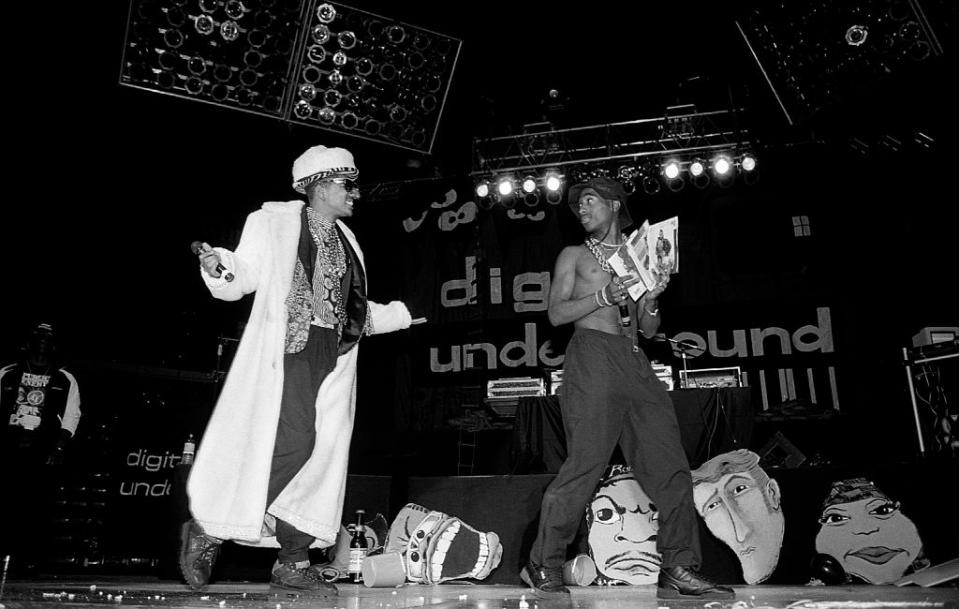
[624, 318]
[197, 248]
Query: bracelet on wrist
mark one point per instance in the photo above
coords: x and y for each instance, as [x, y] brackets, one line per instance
[605, 299]
[596, 296]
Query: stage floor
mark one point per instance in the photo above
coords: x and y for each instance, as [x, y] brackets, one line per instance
[145, 593]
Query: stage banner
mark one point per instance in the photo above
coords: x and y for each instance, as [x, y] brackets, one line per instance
[481, 276]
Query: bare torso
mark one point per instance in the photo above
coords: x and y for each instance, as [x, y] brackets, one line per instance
[589, 278]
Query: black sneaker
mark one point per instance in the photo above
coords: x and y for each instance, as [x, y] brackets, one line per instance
[682, 582]
[198, 552]
[305, 580]
[546, 582]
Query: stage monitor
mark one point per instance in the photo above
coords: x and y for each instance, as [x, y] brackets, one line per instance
[931, 335]
[705, 378]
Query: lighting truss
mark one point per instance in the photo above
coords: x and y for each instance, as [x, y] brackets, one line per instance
[814, 54]
[310, 62]
[373, 77]
[680, 133]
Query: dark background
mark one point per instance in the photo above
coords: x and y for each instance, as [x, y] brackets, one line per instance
[108, 185]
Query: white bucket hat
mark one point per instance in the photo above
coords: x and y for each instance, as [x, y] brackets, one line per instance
[320, 162]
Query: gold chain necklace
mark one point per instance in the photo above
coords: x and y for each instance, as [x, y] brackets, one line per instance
[592, 245]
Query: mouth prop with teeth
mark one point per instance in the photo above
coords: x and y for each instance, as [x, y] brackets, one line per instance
[437, 547]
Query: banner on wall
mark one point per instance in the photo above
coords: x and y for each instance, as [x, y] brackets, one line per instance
[482, 278]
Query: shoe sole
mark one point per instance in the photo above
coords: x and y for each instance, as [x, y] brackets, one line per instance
[181, 558]
[542, 594]
[672, 593]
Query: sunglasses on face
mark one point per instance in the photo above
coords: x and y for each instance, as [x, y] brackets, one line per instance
[346, 183]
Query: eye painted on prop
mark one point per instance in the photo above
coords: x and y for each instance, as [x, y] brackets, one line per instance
[607, 512]
[833, 518]
[712, 505]
[739, 489]
[885, 510]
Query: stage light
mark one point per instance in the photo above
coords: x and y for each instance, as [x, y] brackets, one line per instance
[204, 24]
[671, 169]
[217, 48]
[697, 170]
[553, 197]
[326, 13]
[529, 184]
[748, 162]
[697, 167]
[674, 180]
[721, 165]
[531, 199]
[482, 189]
[379, 64]
[651, 184]
[553, 181]
[626, 173]
[485, 203]
[302, 109]
[230, 31]
[505, 187]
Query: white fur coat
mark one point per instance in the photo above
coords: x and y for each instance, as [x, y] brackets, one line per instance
[229, 479]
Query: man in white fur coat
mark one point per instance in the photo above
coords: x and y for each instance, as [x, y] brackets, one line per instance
[271, 468]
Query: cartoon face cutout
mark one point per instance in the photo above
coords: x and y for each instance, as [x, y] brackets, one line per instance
[870, 537]
[623, 524]
[741, 506]
[437, 547]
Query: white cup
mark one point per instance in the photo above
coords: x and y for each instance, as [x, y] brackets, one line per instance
[580, 571]
[384, 570]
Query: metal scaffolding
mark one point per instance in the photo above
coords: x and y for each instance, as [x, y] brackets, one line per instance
[680, 133]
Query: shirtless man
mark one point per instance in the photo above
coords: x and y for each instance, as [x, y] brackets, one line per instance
[610, 395]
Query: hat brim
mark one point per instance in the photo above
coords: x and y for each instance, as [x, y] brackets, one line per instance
[302, 184]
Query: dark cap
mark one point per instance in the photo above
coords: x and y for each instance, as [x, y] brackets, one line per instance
[607, 188]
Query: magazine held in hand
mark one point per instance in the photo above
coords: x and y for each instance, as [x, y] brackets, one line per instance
[650, 253]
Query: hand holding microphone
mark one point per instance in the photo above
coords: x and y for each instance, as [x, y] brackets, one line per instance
[210, 260]
[618, 292]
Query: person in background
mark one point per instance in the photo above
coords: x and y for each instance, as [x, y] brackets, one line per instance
[39, 415]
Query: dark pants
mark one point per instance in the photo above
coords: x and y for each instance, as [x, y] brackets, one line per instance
[611, 395]
[303, 373]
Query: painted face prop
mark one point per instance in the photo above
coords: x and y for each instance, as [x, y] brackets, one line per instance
[437, 547]
[741, 506]
[865, 530]
[623, 524]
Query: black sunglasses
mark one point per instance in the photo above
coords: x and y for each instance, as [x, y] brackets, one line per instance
[346, 182]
